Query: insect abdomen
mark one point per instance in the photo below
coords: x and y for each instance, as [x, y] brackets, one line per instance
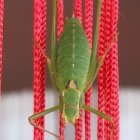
[73, 55]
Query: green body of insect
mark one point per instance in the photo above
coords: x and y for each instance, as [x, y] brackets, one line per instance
[72, 65]
[73, 68]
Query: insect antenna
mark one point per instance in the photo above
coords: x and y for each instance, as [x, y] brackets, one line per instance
[44, 130]
[73, 16]
[44, 53]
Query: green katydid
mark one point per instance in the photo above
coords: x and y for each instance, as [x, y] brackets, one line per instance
[72, 68]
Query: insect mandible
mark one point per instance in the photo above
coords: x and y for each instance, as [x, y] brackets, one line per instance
[73, 68]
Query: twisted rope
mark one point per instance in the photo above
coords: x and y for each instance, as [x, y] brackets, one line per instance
[1, 38]
[101, 80]
[114, 103]
[108, 64]
[78, 9]
[78, 14]
[108, 97]
[88, 25]
[39, 64]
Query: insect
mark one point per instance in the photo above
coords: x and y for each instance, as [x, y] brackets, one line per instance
[73, 68]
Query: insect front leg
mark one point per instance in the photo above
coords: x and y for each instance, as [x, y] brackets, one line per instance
[40, 114]
[101, 114]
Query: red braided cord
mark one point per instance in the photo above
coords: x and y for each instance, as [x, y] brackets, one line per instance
[114, 103]
[1, 38]
[101, 80]
[60, 28]
[60, 18]
[78, 128]
[78, 14]
[88, 25]
[39, 63]
[78, 9]
[61, 127]
[107, 68]
[108, 76]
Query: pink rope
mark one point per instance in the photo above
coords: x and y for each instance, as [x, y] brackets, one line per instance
[114, 103]
[1, 38]
[78, 9]
[60, 28]
[60, 18]
[78, 128]
[78, 14]
[39, 63]
[88, 25]
[101, 75]
[108, 97]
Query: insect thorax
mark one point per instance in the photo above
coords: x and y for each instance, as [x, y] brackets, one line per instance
[70, 107]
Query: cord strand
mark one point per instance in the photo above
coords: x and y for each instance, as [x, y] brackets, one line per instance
[88, 25]
[108, 97]
[1, 39]
[115, 74]
[101, 80]
[78, 14]
[39, 64]
[60, 28]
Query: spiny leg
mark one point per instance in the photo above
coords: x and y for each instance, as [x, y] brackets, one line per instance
[48, 61]
[94, 74]
[101, 114]
[51, 61]
[53, 38]
[51, 67]
[53, 45]
[93, 60]
[40, 114]
[44, 53]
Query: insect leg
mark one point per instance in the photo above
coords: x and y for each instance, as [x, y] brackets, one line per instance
[101, 114]
[53, 38]
[49, 64]
[53, 45]
[93, 60]
[43, 53]
[94, 74]
[40, 114]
